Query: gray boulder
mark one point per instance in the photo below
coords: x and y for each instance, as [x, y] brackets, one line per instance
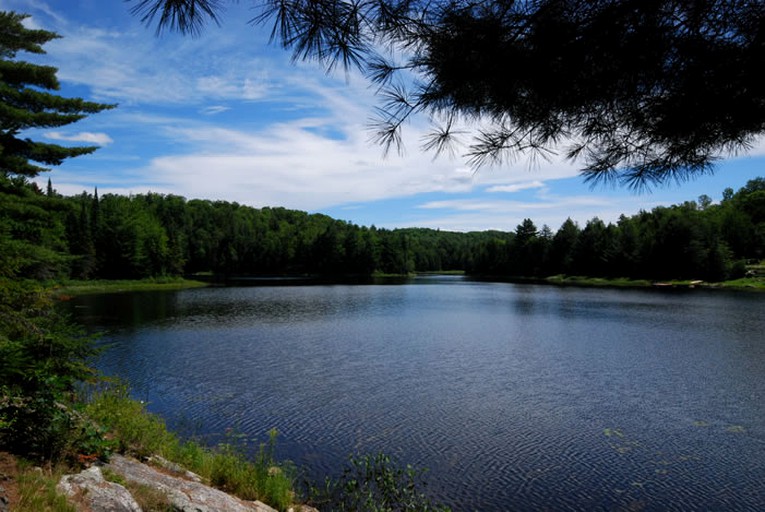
[96, 494]
[185, 495]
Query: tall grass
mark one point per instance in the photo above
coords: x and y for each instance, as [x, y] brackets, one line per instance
[140, 433]
[37, 490]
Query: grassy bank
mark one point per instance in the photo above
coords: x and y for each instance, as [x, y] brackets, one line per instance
[748, 283]
[130, 429]
[115, 423]
[68, 288]
[71, 288]
[111, 422]
[564, 280]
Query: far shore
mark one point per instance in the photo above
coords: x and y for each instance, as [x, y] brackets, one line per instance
[66, 289]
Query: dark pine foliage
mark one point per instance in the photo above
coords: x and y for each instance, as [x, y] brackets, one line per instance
[642, 92]
[27, 103]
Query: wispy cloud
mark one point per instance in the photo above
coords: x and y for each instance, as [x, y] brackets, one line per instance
[292, 165]
[516, 187]
[99, 139]
[214, 109]
[471, 214]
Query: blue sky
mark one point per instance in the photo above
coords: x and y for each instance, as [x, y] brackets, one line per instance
[226, 116]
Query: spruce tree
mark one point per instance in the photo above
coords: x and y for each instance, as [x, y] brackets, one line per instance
[26, 103]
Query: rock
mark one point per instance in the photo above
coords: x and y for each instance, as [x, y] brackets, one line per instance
[175, 468]
[4, 502]
[302, 508]
[185, 495]
[90, 488]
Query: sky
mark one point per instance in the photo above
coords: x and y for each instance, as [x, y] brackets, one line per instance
[228, 116]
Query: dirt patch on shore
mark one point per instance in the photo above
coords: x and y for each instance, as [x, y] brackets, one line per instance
[9, 488]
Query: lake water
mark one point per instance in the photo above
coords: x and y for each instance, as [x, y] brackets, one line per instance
[516, 397]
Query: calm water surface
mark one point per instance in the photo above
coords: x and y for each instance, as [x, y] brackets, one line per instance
[516, 397]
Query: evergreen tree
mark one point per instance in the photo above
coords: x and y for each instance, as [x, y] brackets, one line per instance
[25, 102]
[562, 248]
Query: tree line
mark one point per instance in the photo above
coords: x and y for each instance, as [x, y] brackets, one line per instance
[692, 240]
[111, 236]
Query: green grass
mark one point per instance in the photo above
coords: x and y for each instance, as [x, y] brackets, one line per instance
[37, 489]
[73, 287]
[756, 283]
[597, 281]
[227, 467]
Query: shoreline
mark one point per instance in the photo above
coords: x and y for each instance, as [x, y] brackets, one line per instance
[68, 289]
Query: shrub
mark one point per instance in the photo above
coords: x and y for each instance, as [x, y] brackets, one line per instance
[375, 483]
[44, 358]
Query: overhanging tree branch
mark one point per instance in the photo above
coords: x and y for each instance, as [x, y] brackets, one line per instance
[645, 91]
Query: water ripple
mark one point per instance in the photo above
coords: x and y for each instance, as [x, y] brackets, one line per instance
[515, 397]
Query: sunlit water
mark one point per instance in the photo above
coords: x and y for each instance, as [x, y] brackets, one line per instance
[516, 397]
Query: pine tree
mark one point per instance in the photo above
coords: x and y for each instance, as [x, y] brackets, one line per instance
[26, 103]
[641, 92]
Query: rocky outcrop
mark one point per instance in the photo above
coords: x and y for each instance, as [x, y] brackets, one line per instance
[92, 492]
[184, 490]
[185, 495]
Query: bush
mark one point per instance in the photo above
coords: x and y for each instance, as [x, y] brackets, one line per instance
[376, 484]
[44, 358]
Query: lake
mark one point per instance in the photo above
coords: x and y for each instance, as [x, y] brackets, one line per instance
[515, 397]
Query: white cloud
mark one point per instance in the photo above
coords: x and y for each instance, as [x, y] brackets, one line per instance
[214, 109]
[505, 216]
[100, 139]
[295, 167]
[516, 187]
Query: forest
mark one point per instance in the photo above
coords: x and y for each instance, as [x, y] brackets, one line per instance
[87, 236]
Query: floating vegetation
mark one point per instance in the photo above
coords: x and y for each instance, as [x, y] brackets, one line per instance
[620, 444]
[613, 432]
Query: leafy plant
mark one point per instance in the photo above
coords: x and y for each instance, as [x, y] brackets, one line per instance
[375, 483]
[44, 357]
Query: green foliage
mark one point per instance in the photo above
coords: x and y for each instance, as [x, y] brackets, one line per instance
[25, 103]
[228, 466]
[375, 483]
[135, 431]
[44, 358]
[153, 235]
[709, 242]
[32, 233]
[37, 489]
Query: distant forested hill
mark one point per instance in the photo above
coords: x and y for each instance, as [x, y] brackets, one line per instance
[45, 235]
